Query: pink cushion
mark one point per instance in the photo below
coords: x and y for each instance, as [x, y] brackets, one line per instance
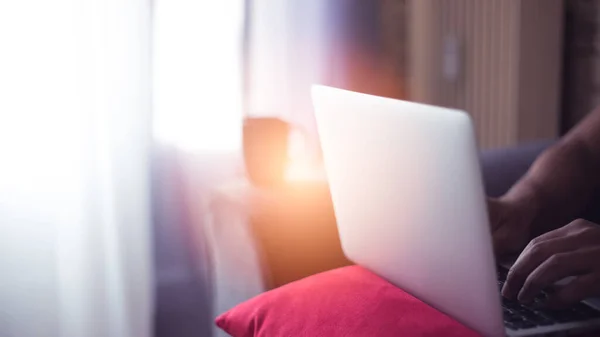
[349, 301]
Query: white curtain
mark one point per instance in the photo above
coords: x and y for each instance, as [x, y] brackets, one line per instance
[75, 256]
[197, 75]
[197, 97]
[290, 49]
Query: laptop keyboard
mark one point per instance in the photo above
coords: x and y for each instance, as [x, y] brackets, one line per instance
[518, 316]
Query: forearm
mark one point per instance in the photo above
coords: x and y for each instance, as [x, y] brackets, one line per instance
[559, 185]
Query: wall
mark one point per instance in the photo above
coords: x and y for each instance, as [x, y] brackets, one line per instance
[499, 60]
[582, 60]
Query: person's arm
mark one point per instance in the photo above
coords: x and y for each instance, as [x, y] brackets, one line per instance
[556, 190]
[560, 183]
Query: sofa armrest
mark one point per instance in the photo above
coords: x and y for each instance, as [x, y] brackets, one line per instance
[502, 168]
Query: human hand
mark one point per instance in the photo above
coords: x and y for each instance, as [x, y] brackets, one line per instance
[510, 224]
[573, 250]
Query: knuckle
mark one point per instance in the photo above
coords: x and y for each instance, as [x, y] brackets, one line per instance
[538, 250]
[588, 231]
[579, 223]
[556, 260]
[535, 241]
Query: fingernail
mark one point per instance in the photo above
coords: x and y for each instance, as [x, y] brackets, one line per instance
[524, 298]
[506, 292]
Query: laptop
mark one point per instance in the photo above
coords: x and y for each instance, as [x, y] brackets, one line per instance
[410, 206]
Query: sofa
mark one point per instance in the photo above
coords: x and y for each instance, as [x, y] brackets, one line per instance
[184, 312]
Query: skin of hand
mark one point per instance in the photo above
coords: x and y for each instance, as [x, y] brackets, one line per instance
[572, 250]
[511, 222]
[555, 191]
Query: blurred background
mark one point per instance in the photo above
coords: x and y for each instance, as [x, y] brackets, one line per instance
[159, 161]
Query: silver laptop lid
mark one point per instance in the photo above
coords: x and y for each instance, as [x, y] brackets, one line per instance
[409, 201]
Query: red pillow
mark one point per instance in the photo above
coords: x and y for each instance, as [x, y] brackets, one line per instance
[348, 301]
